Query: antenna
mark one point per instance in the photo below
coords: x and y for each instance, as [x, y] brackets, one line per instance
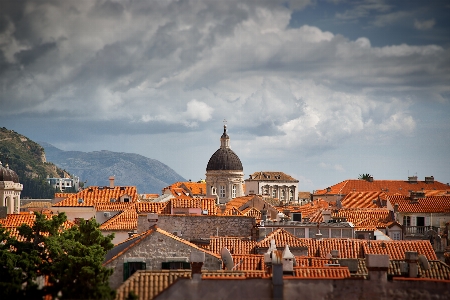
[227, 258]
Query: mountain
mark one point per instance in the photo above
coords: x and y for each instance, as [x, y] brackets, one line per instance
[27, 159]
[148, 175]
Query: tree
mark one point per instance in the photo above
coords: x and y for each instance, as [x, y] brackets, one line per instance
[366, 176]
[70, 260]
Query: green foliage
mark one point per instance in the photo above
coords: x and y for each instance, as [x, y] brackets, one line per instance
[364, 176]
[71, 260]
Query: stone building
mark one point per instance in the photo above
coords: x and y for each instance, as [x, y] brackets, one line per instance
[224, 172]
[273, 184]
[10, 190]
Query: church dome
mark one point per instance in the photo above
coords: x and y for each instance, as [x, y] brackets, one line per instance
[224, 158]
[6, 174]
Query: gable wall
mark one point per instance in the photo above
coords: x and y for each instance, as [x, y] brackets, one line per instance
[194, 227]
[154, 250]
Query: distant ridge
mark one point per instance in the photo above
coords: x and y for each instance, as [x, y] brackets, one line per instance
[148, 175]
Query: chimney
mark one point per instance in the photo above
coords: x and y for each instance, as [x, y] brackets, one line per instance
[326, 215]
[370, 179]
[429, 179]
[378, 265]
[412, 179]
[277, 275]
[197, 259]
[111, 182]
[411, 259]
[328, 189]
[288, 261]
[145, 222]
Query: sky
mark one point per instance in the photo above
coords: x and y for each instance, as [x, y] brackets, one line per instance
[321, 90]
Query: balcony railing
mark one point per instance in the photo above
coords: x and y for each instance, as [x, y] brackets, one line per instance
[419, 230]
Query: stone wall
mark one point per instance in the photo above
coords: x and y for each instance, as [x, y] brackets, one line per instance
[195, 227]
[153, 250]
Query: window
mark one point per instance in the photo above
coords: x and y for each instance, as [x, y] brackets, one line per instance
[291, 195]
[274, 192]
[233, 191]
[130, 267]
[222, 191]
[396, 235]
[282, 195]
[213, 190]
[406, 221]
[175, 265]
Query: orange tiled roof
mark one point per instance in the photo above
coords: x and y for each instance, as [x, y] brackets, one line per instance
[390, 187]
[281, 237]
[310, 261]
[252, 212]
[209, 204]
[440, 204]
[322, 272]
[62, 195]
[231, 211]
[272, 176]
[397, 249]
[147, 284]
[311, 208]
[112, 206]
[12, 221]
[186, 202]
[37, 204]
[127, 220]
[153, 207]
[239, 201]
[195, 188]
[246, 262]
[235, 245]
[348, 248]
[363, 217]
[95, 194]
[363, 199]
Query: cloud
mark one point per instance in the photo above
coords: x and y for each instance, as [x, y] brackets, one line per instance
[424, 25]
[335, 167]
[176, 64]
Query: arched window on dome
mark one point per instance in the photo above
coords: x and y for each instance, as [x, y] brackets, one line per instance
[213, 190]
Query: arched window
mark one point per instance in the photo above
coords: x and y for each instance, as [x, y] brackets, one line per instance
[222, 191]
[233, 191]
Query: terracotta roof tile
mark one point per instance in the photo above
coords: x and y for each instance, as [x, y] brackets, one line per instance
[397, 249]
[390, 187]
[153, 207]
[148, 284]
[364, 217]
[363, 199]
[37, 204]
[281, 237]
[439, 204]
[321, 272]
[112, 206]
[94, 195]
[272, 176]
[311, 208]
[126, 220]
[235, 245]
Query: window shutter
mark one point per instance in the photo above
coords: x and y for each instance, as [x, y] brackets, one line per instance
[186, 265]
[126, 271]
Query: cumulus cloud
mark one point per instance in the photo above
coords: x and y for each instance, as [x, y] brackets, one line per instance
[424, 25]
[189, 62]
